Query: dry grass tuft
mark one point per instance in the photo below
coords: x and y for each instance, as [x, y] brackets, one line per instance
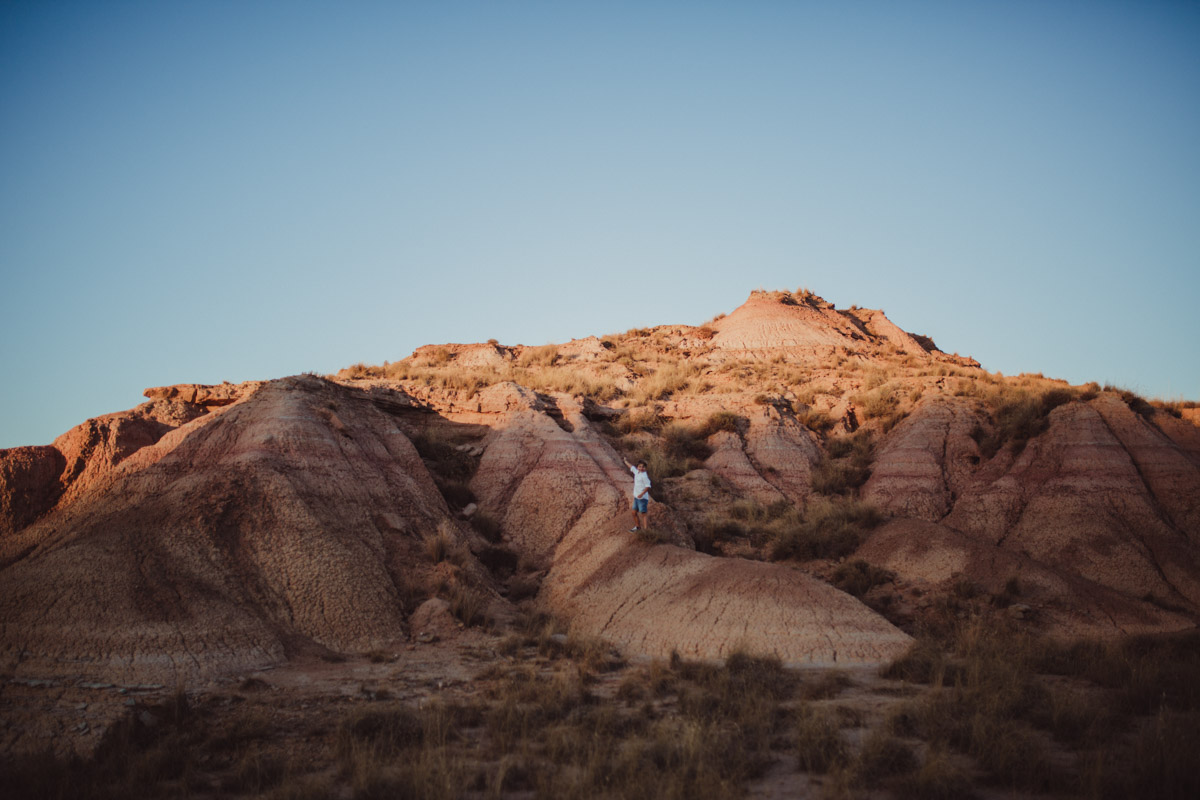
[883, 756]
[468, 605]
[846, 466]
[544, 356]
[819, 743]
[440, 546]
[814, 420]
[685, 442]
[857, 577]
[664, 382]
[640, 420]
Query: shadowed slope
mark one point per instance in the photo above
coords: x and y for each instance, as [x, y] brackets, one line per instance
[289, 514]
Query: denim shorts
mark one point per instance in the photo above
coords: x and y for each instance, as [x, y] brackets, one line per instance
[641, 504]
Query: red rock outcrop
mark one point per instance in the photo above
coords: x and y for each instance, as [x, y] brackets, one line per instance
[203, 394]
[29, 485]
[33, 480]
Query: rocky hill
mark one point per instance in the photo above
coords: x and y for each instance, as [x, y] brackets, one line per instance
[826, 484]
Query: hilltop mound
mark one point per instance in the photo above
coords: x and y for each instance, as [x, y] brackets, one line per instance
[782, 321]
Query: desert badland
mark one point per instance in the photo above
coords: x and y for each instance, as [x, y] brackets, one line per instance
[872, 568]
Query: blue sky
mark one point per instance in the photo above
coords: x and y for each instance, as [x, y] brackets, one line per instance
[208, 191]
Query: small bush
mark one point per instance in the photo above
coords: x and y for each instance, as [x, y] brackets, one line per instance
[940, 777]
[664, 383]
[389, 729]
[830, 528]
[1174, 407]
[824, 685]
[721, 421]
[500, 561]
[846, 466]
[440, 546]
[814, 420]
[857, 577]
[684, 442]
[717, 528]
[652, 536]
[833, 477]
[925, 662]
[1018, 416]
[642, 420]
[877, 404]
[661, 465]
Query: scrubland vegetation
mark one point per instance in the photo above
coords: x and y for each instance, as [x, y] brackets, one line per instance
[977, 703]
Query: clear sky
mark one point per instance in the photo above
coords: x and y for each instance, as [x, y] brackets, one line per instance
[218, 190]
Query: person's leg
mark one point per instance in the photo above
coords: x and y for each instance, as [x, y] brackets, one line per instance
[636, 521]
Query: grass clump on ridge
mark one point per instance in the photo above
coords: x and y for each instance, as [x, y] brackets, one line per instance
[1017, 416]
[721, 421]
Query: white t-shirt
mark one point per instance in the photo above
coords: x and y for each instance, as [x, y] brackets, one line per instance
[641, 482]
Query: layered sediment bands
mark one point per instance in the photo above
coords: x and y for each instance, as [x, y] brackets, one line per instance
[1101, 509]
[784, 452]
[563, 497]
[292, 514]
[1081, 500]
[925, 462]
[33, 480]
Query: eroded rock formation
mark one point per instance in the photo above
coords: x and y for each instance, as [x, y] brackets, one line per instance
[218, 528]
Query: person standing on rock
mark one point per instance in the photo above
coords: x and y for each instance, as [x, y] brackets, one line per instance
[641, 495]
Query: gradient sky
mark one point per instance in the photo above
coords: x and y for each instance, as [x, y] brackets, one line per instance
[208, 191]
